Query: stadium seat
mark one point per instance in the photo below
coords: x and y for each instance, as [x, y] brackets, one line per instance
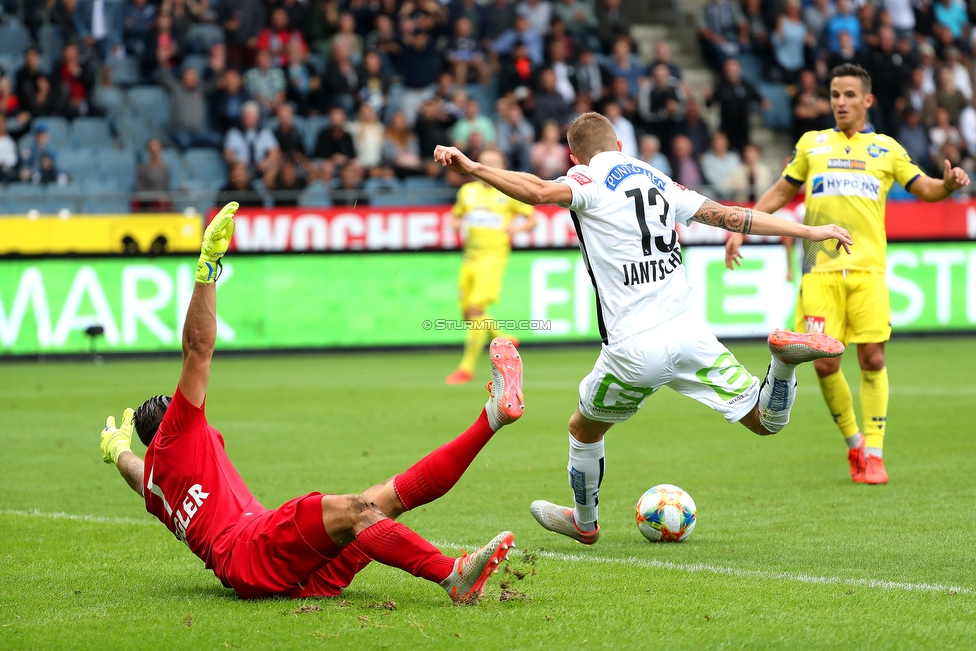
[118, 167]
[313, 126]
[201, 36]
[420, 190]
[104, 197]
[57, 128]
[50, 38]
[91, 133]
[151, 103]
[196, 61]
[752, 68]
[125, 71]
[316, 195]
[111, 100]
[14, 38]
[69, 196]
[10, 64]
[384, 192]
[779, 115]
[205, 165]
[78, 165]
[18, 198]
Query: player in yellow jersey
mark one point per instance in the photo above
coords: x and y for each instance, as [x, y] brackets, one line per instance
[848, 171]
[488, 218]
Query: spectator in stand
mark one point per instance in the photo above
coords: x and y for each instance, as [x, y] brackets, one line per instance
[138, 19]
[547, 104]
[39, 163]
[227, 104]
[624, 63]
[883, 63]
[323, 25]
[367, 138]
[789, 41]
[276, 37]
[297, 10]
[722, 31]
[75, 81]
[385, 42]
[843, 20]
[26, 78]
[266, 84]
[239, 188]
[216, 65]
[811, 106]
[432, 126]
[62, 17]
[870, 23]
[960, 72]
[100, 25]
[348, 37]
[735, 97]
[581, 22]
[649, 151]
[518, 73]
[816, 15]
[952, 15]
[718, 162]
[465, 56]
[304, 86]
[902, 15]
[539, 13]
[942, 132]
[242, 21]
[695, 129]
[662, 104]
[515, 136]
[44, 101]
[564, 71]
[472, 121]
[929, 65]
[557, 32]
[290, 141]
[498, 16]
[914, 137]
[550, 157]
[611, 24]
[252, 144]
[350, 190]
[521, 32]
[624, 128]
[341, 81]
[284, 183]
[11, 108]
[182, 17]
[684, 167]
[662, 54]
[8, 153]
[747, 182]
[912, 95]
[757, 33]
[334, 145]
[590, 76]
[153, 180]
[161, 49]
[401, 149]
[947, 96]
[967, 126]
[846, 51]
[419, 65]
[188, 110]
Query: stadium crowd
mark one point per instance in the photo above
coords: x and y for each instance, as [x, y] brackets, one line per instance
[318, 102]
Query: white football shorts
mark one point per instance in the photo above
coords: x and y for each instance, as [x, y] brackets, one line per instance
[682, 354]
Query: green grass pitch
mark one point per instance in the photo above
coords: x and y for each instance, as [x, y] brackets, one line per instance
[787, 554]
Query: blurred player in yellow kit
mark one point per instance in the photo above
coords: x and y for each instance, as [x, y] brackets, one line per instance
[848, 171]
[488, 219]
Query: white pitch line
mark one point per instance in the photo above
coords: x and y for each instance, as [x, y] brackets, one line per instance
[633, 561]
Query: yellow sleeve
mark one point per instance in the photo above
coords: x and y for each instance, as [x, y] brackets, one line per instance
[460, 208]
[905, 170]
[519, 208]
[796, 169]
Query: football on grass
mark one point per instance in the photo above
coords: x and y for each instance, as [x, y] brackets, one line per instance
[665, 513]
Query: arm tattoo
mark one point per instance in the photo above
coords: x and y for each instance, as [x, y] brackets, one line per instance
[732, 218]
[132, 468]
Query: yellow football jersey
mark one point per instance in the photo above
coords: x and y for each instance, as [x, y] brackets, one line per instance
[847, 182]
[486, 214]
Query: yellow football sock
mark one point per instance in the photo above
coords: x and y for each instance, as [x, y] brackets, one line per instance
[474, 343]
[837, 393]
[491, 333]
[874, 406]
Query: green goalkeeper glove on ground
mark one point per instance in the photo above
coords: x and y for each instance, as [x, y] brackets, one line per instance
[216, 239]
[116, 441]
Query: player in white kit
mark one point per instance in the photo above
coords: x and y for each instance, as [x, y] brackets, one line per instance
[625, 213]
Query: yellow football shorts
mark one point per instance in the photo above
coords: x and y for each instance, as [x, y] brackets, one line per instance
[852, 306]
[480, 281]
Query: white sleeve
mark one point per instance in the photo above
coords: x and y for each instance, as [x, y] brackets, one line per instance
[580, 181]
[685, 203]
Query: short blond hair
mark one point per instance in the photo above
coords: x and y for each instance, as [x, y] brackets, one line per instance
[590, 134]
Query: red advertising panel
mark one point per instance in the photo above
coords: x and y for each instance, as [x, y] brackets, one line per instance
[414, 228]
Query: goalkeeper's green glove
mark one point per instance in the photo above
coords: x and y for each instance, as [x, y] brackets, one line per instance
[116, 441]
[216, 239]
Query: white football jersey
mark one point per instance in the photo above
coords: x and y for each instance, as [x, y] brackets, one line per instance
[625, 212]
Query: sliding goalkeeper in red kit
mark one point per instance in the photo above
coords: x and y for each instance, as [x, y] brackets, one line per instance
[315, 544]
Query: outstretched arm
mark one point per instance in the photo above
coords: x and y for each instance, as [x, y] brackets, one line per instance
[746, 220]
[928, 189]
[131, 468]
[200, 326]
[115, 445]
[527, 188]
[777, 196]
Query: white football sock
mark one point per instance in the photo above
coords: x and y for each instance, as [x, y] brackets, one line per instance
[777, 395]
[874, 452]
[586, 464]
[855, 441]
